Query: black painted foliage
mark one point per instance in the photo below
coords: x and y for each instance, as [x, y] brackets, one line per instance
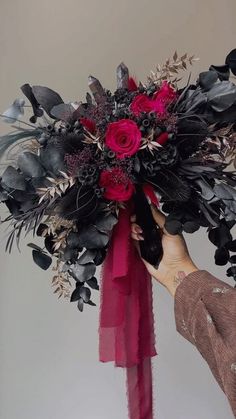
[53, 189]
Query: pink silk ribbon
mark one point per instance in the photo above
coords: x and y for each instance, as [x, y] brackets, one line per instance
[126, 333]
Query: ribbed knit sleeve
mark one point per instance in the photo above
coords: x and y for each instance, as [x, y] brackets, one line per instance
[205, 314]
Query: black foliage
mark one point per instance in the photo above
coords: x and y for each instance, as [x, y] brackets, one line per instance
[221, 256]
[37, 111]
[91, 238]
[30, 165]
[41, 259]
[230, 61]
[47, 98]
[187, 169]
[80, 203]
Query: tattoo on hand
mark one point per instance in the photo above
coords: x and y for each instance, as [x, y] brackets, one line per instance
[179, 278]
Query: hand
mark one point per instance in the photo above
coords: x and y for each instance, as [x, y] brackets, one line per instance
[176, 263]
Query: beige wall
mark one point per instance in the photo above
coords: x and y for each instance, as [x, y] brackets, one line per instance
[48, 351]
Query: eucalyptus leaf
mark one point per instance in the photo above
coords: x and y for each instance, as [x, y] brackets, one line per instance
[15, 111]
[91, 238]
[30, 165]
[13, 179]
[87, 257]
[82, 273]
[85, 293]
[41, 259]
[93, 283]
[222, 95]
[106, 223]
[207, 79]
[63, 112]
[47, 98]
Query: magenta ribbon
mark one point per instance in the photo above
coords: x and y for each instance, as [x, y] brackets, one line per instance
[126, 332]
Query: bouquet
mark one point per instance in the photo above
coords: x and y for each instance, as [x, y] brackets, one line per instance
[79, 170]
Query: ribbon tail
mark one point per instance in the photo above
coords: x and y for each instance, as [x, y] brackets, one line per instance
[126, 332]
[139, 390]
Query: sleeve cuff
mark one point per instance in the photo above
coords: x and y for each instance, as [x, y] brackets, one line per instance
[187, 294]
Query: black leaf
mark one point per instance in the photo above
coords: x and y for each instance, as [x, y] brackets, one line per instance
[30, 165]
[91, 303]
[221, 256]
[106, 223]
[232, 246]
[173, 226]
[85, 293]
[91, 238]
[41, 228]
[63, 112]
[232, 259]
[35, 247]
[13, 179]
[222, 95]
[87, 257]
[93, 283]
[220, 236]
[47, 98]
[190, 226]
[231, 61]
[100, 256]
[52, 158]
[38, 112]
[73, 240]
[206, 190]
[80, 304]
[69, 254]
[42, 260]
[75, 296]
[82, 273]
[231, 271]
[221, 70]
[207, 79]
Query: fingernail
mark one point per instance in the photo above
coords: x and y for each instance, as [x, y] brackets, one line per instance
[138, 229]
[141, 237]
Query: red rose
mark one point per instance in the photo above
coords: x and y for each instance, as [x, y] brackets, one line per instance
[141, 103]
[161, 99]
[117, 185]
[88, 124]
[165, 94]
[123, 137]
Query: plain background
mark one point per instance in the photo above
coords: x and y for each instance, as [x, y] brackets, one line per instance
[49, 365]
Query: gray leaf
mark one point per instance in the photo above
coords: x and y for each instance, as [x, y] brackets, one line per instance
[30, 165]
[222, 95]
[14, 112]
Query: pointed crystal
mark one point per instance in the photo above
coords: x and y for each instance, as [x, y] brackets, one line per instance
[96, 88]
[122, 74]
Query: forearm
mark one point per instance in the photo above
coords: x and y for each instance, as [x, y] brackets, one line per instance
[205, 313]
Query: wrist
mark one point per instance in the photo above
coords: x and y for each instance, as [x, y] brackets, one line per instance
[179, 274]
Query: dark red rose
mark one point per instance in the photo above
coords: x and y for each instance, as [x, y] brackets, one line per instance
[166, 94]
[141, 103]
[123, 137]
[158, 103]
[162, 138]
[132, 84]
[117, 186]
[89, 124]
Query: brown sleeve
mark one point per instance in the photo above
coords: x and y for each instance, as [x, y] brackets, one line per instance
[205, 314]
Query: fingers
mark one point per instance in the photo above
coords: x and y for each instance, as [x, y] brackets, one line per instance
[136, 232]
